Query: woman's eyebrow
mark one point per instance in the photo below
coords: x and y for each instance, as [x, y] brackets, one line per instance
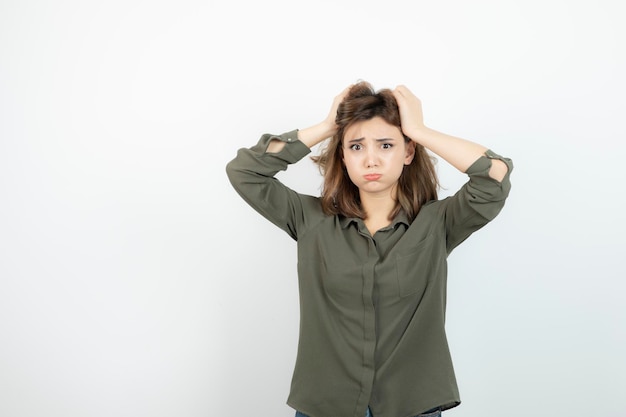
[357, 140]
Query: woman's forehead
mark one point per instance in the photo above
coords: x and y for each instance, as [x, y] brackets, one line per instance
[376, 128]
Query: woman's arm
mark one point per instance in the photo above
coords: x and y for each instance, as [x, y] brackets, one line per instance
[313, 135]
[460, 153]
[252, 174]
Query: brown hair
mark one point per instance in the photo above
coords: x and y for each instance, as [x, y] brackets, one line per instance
[418, 182]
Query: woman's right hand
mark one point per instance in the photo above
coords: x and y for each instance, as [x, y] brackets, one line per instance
[332, 115]
[315, 134]
[327, 128]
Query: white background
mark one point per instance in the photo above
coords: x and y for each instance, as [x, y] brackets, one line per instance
[135, 282]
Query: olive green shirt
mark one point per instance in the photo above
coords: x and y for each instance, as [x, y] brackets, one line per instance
[372, 308]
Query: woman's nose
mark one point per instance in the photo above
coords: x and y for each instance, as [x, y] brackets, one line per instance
[371, 159]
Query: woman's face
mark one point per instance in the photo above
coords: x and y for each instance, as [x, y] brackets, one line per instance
[374, 153]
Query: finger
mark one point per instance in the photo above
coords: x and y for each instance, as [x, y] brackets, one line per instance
[402, 89]
[398, 95]
[341, 96]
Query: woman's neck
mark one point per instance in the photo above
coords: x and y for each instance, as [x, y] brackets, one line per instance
[377, 208]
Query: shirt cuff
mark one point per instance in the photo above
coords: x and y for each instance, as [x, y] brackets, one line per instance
[294, 149]
[483, 164]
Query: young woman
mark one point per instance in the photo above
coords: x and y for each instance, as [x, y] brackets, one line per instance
[372, 250]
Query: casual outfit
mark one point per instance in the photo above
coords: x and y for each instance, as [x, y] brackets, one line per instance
[372, 308]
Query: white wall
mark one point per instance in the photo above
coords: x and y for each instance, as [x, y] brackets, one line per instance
[135, 282]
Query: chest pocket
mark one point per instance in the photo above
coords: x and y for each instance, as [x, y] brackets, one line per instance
[416, 267]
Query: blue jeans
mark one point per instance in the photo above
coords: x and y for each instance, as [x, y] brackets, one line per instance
[432, 413]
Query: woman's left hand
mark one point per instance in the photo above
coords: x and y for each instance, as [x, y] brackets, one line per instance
[411, 116]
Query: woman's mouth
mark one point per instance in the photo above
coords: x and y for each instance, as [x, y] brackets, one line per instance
[372, 177]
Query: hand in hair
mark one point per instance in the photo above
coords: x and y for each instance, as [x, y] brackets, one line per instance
[315, 134]
[330, 120]
[411, 116]
[460, 153]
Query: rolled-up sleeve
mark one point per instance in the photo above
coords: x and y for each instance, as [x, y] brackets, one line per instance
[252, 172]
[478, 202]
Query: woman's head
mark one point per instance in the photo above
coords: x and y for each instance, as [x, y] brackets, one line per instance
[364, 115]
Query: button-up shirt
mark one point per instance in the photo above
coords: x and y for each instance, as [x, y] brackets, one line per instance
[372, 308]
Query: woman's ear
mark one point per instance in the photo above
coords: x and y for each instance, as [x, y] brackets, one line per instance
[410, 152]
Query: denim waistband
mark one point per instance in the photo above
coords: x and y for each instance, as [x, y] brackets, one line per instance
[435, 412]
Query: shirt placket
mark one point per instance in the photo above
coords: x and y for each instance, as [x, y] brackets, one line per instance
[369, 322]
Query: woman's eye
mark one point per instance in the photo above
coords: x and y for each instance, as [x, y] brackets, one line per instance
[387, 145]
[356, 147]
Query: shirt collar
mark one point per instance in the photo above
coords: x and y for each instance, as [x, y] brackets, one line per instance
[401, 217]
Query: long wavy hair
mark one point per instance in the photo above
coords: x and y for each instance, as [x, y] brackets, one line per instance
[418, 182]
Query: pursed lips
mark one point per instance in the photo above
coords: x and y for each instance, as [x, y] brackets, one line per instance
[372, 177]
